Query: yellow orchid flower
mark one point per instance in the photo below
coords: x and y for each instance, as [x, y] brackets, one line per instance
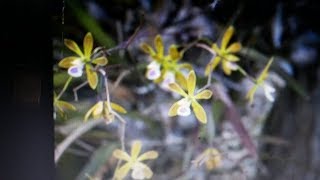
[164, 68]
[211, 157]
[260, 81]
[182, 107]
[75, 64]
[156, 54]
[134, 162]
[224, 54]
[102, 110]
[62, 106]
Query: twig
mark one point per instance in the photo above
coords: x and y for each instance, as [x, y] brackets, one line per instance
[119, 79]
[207, 85]
[75, 90]
[189, 45]
[73, 136]
[124, 45]
[206, 47]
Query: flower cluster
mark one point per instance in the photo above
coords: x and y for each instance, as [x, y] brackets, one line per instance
[164, 68]
[75, 64]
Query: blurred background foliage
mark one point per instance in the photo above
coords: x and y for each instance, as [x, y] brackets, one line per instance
[289, 140]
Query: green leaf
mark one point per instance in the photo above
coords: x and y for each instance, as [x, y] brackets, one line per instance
[98, 160]
[90, 24]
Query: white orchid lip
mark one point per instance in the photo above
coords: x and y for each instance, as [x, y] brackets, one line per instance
[232, 66]
[153, 71]
[75, 71]
[153, 74]
[184, 108]
[138, 173]
[168, 79]
[268, 91]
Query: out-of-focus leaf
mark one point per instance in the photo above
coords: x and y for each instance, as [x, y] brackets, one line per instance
[91, 25]
[97, 160]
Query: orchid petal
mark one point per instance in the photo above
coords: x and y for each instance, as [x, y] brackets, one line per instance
[191, 82]
[101, 61]
[119, 154]
[234, 48]
[147, 49]
[117, 108]
[136, 148]
[174, 108]
[159, 45]
[67, 62]
[92, 76]
[205, 94]
[88, 45]
[75, 71]
[199, 112]
[176, 88]
[73, 46]
[264, 72]
[226, 37]
[148, 155]
[123, 171]
[174, 53]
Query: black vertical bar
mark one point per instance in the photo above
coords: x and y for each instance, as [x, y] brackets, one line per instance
[26, 124]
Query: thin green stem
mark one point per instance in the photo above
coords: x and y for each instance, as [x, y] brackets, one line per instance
[64, 87]
[207, 85]
[75, 90]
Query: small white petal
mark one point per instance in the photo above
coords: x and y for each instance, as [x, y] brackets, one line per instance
[75, 71]
[184, 111]
[138, 172]
[268, 90]
[184, 101]
[184, 108]
[78, 62]
[153, 73]
[232, 66]
[153, 64]
[168, 79]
